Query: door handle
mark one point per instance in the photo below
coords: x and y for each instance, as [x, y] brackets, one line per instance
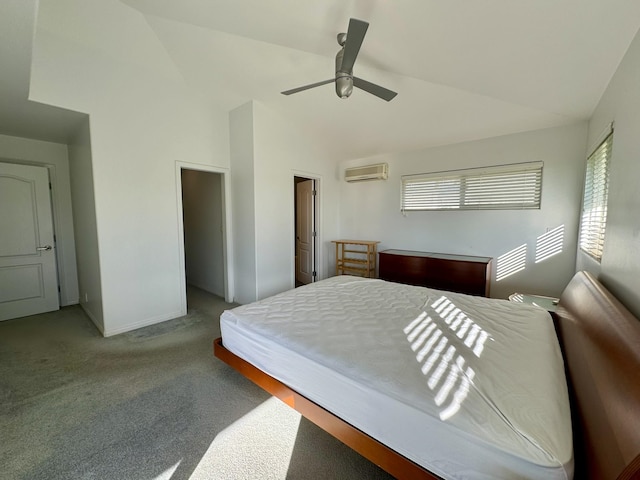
[46, 247]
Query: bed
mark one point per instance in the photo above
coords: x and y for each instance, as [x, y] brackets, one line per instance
[413, 392]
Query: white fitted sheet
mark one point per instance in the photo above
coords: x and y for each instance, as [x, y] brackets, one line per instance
[465, 386]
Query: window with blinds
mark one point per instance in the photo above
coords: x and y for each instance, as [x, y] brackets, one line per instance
[594, 205]
[504, 187]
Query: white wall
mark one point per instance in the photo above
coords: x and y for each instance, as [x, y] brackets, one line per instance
[84, 221]
[371, 210]
[55, 157]
[282, 151]
[243, 202]
[620, 266]
[202, 206]
[144, 119]
[267, 152]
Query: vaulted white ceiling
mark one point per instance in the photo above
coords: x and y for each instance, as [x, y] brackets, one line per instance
[18, 116]
[463, 69]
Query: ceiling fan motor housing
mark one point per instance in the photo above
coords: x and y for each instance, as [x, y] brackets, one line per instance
[344, 80]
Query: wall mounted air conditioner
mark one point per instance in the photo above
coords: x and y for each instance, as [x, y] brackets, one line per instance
[368, 172]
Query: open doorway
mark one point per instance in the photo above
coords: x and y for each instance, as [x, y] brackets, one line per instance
[305, 201]
[203, 227]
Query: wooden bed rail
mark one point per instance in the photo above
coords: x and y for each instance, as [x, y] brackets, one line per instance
[378, 453]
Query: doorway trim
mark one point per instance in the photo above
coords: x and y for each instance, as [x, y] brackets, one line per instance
[318, 263]
[227, 234]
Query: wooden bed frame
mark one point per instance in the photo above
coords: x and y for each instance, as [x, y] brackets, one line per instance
[386, 458]
[600, 341]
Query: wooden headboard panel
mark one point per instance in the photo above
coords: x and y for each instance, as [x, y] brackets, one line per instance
[601, 345]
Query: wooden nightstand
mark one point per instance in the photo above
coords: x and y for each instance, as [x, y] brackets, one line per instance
[548, 303]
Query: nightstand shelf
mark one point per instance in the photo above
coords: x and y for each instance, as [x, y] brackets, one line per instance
[548, 303]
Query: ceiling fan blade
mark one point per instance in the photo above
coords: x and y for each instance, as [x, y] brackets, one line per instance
[307, 87]
[355, 36]
[374, 89]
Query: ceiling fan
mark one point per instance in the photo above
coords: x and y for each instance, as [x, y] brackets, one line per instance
[346, 57]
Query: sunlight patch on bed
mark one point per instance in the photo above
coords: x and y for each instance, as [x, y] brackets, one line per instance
[441, 362]
[257, 445]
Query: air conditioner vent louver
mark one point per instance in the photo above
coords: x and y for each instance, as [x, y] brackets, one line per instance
[367, 172]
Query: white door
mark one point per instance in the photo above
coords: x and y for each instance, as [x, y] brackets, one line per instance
[28, 277]
[305, 243]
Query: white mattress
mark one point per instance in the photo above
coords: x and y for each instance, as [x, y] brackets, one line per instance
[467, 387]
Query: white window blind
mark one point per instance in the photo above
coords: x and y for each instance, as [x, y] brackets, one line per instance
[594, 205]
[504, 187]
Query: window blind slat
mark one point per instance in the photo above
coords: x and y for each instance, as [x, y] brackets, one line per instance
[516, 186]
[594, 206]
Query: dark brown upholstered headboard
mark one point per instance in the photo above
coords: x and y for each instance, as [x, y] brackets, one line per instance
[601, 345]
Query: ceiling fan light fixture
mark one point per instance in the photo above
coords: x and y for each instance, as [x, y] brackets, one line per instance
[344, 85]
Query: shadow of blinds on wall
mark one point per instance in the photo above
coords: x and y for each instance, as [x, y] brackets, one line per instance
[503, 187]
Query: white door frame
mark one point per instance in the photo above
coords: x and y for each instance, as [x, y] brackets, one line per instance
[318, 223]
[227, 234]
[305, 212]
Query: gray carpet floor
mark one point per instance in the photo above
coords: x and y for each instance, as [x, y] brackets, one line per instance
[153, 404]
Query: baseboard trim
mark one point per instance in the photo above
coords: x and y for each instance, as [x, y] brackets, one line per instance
[92, 317]
[143, 323]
